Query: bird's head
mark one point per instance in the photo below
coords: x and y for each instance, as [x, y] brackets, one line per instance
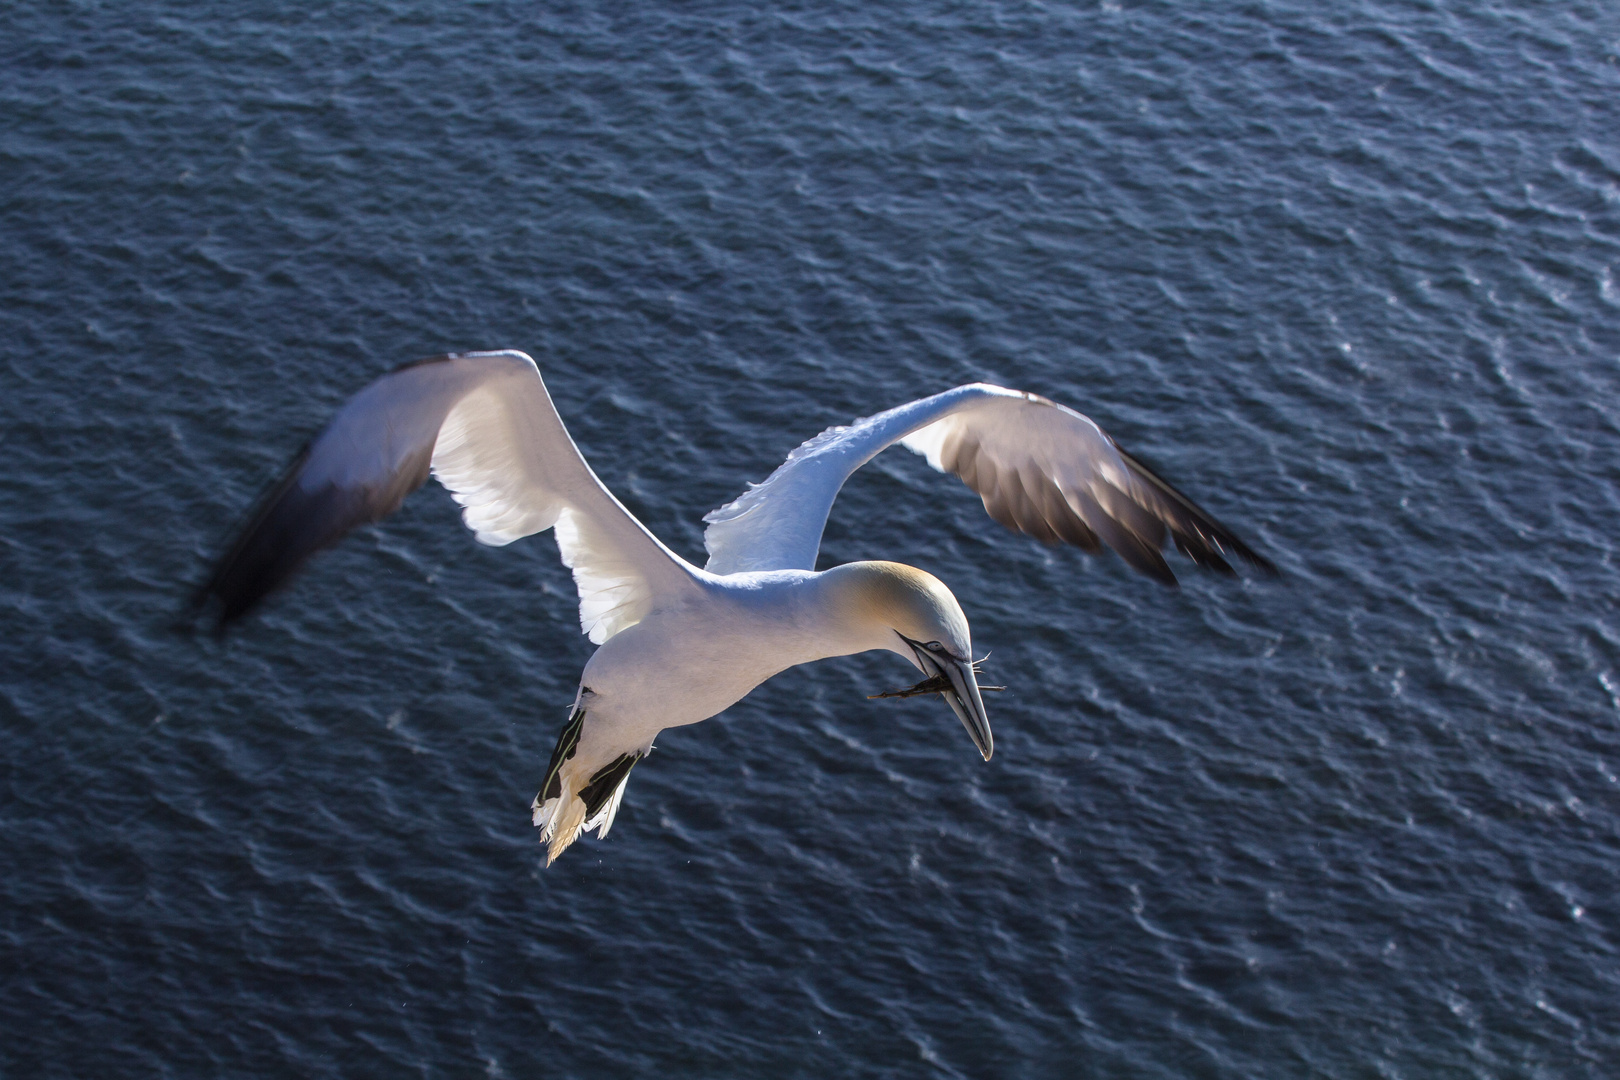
[912, 613]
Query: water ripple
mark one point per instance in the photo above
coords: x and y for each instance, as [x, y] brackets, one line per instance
[1346, 276]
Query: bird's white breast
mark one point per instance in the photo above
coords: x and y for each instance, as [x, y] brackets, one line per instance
[685, 664]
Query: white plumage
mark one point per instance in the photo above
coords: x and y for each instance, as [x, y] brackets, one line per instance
[679, 643]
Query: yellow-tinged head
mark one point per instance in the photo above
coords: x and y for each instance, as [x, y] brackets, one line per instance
[911, 612]
[912, 602]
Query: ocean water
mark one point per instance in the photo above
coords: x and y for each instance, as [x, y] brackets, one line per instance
[1345, 274]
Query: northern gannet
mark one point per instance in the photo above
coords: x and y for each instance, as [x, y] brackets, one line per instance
[678, 643]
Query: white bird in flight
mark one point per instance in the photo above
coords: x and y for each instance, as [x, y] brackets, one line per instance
[678, 643]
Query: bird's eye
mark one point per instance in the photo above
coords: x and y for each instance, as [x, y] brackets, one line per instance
[934, 646]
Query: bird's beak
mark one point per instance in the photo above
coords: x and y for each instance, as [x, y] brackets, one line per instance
[954, 680]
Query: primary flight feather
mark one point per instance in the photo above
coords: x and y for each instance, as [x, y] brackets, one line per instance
[678, 644]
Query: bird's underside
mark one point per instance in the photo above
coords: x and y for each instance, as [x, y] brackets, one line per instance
[484, 425]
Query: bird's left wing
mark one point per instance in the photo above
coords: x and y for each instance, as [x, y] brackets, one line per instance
[485, 426]
[1041, 469]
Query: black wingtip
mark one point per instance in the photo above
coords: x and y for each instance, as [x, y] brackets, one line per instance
[242, 576]
[319, 497]
[1154, 567]
[1264, 565]
[205, 609]
[1203, 556]
[291, 528]
[1145, 559]
[1206, 539]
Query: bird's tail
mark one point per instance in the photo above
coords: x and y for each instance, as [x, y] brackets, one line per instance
[571, 801]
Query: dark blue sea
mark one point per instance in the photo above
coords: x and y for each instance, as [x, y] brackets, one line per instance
[1345, 274]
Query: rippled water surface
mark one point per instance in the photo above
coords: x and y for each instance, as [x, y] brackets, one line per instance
[1347, 278]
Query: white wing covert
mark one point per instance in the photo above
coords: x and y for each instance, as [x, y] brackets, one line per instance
[485, 426]
[1040, 468]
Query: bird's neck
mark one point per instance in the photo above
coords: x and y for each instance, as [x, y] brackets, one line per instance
[842, 615]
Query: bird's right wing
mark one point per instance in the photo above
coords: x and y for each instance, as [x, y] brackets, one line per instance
[485, 426]
[1041, 469]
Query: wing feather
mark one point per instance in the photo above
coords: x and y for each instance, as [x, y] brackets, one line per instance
[484, 425]
[1039, 468]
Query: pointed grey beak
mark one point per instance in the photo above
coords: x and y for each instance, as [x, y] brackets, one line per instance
[963, 695]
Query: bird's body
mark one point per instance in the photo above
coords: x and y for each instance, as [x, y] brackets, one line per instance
[688, 662]
[678, 643]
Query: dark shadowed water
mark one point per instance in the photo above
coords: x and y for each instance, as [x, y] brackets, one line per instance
[1344, 273]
